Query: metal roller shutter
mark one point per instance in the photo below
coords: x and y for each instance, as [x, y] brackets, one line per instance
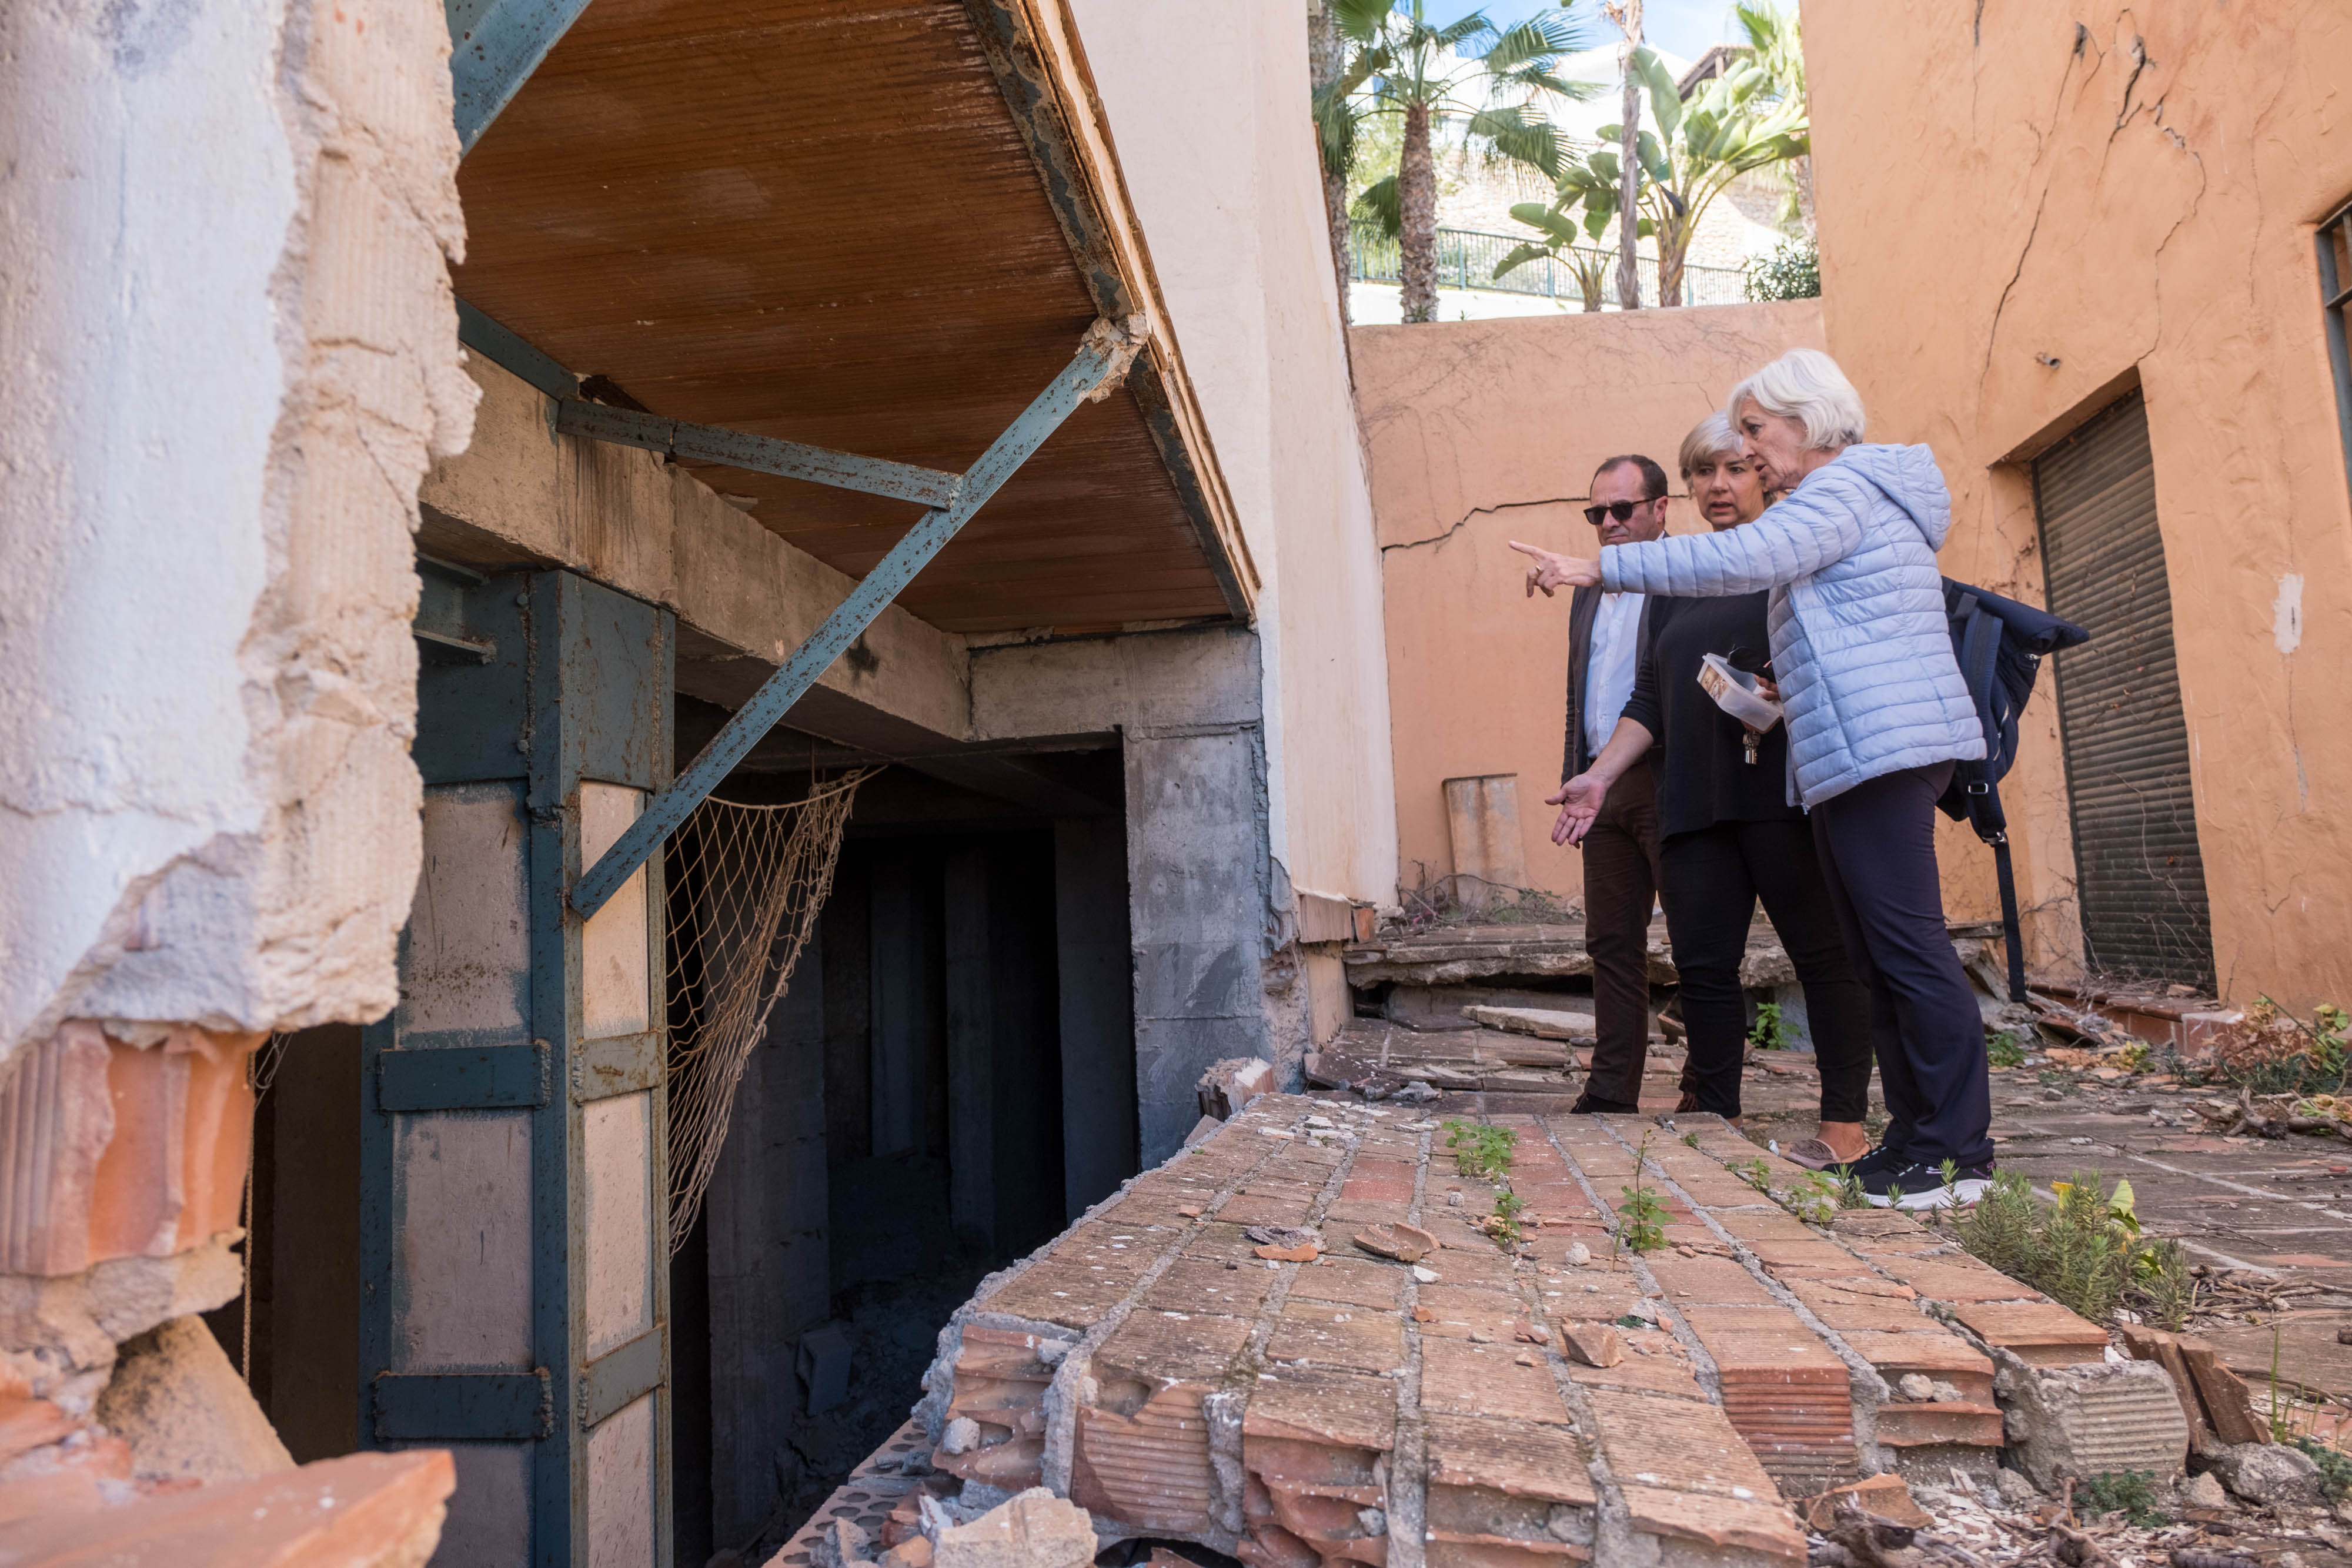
[2137, 872]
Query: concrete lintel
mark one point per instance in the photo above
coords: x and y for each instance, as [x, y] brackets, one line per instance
[1157, 681]
[524, 494]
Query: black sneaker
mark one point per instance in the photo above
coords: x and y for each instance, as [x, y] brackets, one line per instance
[1875, 1159]
[1909, 1185]
[1586, 1106]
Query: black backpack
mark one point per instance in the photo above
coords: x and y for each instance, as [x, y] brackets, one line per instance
[1999, 644]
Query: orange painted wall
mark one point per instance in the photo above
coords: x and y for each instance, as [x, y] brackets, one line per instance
[1483, 432]
[2020, 219]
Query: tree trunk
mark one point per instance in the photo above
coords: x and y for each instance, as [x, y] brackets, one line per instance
[1628, 184]
[1417, 202]
[1673, 249]
[1327, 54]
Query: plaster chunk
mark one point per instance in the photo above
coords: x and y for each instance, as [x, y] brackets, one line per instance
[1035, 1529]
[186, 1414]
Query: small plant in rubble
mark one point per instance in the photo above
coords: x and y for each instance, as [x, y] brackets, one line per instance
[2003, 1051]
[1690, 1140]
[1849, 1192]
[2131, 1493]
[1814, 1197]
[2335, 1465]
[1505, 1225]
[1643, 1217]
[2084, 1249]
[2133, 1058]
[1481, 1152]
[1771, 1031]
[2166, 1287]
[1755, 1173]
[2274, 1053]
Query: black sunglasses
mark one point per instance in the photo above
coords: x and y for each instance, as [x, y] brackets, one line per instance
[1620, 510]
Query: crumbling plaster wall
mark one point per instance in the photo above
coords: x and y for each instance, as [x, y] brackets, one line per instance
[2022, 211]
[231, 350]
[1204, 101]
[1483, 432]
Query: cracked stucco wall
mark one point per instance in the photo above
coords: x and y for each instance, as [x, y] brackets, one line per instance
[231, 351]
[2025, 211]
[1484, 432]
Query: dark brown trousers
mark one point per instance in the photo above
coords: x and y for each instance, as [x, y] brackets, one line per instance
[1620, 887]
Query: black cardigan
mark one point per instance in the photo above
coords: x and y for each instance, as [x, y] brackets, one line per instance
[1701, 768]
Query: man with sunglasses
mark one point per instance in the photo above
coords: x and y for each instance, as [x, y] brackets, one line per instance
[1628, 505]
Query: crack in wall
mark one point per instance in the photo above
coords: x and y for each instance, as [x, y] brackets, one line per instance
[1993, 331]
[1456, 528]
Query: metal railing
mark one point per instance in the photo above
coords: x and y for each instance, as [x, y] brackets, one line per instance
[1467, 258]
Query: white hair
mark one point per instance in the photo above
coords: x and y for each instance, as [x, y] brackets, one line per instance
[1710, 438]
[1805, 385]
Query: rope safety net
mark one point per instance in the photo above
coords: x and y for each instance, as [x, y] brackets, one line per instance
[748, 882]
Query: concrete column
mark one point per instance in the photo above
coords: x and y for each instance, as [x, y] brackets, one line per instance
[1196, 868]
[1095, 978]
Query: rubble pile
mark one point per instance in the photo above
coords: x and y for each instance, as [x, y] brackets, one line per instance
[1313, 1340]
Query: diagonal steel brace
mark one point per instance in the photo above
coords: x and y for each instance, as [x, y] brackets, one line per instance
[1101, 359]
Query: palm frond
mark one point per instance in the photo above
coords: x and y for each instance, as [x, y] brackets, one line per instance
[1466, 29]
[1533, 142]
[1380, 202]
[1361, 20]
[1526, 43]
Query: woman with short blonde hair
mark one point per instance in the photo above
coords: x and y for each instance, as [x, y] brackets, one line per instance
[1877, 715]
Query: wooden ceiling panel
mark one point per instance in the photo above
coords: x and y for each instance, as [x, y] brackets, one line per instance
[816, 220]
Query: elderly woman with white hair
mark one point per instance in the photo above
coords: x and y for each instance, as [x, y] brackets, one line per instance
[1877, 715]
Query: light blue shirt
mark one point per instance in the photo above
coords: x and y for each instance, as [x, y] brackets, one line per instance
[1609, 678]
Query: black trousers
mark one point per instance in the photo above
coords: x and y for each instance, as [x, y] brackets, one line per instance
[1620, 886]
[1878, 852]
[1713, 878]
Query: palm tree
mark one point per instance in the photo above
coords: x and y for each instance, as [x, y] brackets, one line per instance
[1728, 126]
[1401, 64]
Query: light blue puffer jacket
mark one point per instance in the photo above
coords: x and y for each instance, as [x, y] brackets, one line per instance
[1859, 639]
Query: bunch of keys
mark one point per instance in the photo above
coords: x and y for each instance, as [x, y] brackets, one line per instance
[1750, 662]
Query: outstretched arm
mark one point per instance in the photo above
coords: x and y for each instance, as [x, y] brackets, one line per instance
[1553, 570]
[1817, 523]
[1579, 798]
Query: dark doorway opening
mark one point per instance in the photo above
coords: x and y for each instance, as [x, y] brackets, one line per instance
[948, 1081]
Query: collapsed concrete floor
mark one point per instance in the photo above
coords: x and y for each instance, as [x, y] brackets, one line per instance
[1153, 1366]
[1293, 1398]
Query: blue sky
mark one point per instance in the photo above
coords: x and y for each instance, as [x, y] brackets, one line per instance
[1684, 27]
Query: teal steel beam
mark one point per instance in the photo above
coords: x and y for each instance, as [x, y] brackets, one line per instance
[494, 45]
[511, 354]
[759, 454]
[1105, 354]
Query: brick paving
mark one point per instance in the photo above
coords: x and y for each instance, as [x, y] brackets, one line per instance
[1152, 1366]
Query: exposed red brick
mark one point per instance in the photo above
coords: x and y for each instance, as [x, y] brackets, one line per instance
[1911, 1425]
[1141, 1448]
[2040, 1333]
[1000, 1383]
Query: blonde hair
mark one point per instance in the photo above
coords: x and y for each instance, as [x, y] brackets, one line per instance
[1710, 437]
[1805, 385]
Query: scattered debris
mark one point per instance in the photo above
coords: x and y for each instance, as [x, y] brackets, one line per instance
[1594, 1344]
[1405, 1243]
[1230, 1085]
